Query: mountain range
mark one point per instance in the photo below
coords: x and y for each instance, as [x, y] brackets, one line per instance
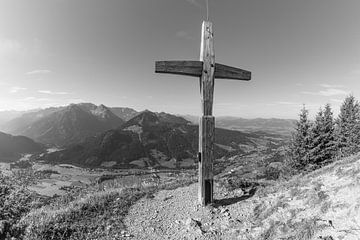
[95, 136]
[157, 140]
[63, 126]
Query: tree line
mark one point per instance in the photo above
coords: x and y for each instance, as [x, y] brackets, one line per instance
[316, 143]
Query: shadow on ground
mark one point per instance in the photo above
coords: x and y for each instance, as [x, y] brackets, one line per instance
[233, 200]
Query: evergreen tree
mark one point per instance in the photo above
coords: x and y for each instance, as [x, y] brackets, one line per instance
[348, 138]
[316, 133]
[323, 144]
[300, 142]
[329, 134]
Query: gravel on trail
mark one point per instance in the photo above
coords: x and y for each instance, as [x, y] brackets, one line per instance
[176, 214]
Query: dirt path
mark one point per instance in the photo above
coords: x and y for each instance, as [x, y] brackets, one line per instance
[176, 214]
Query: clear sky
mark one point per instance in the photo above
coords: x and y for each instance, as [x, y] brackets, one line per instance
[54, 52]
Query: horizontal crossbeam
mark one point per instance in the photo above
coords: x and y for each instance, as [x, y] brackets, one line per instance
[189, 68]
[194, 68]
[227, 72]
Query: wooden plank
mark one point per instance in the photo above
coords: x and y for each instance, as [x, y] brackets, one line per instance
[227, 72]
[206, 154]
[207, 122]
[207, 56]
[189, 68]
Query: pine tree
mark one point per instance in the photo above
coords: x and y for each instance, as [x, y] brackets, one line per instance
[329, 134]
[323, 144]
[317, 143]
[300, 142]
[348, 138]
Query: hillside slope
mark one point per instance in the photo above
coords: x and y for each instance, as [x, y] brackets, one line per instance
[6, 116]
[11, 147]
[324, 204]
[23, 121]
[124, 113]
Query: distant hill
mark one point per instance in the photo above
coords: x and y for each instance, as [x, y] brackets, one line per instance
[156, 140]
[6, 116]
[64, 125]
[192, 118]
[18, 124]
[11, 147]
[271, 125]
[169, 118]
[124, 113]
[9, 115]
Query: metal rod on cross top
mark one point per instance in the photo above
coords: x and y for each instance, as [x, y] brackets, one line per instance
[207, 70]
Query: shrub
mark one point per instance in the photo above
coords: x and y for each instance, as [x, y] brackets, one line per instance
[274, 170]
[16, 202]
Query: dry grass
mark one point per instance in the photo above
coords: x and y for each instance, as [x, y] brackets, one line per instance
[323, 204]
[92, 216]
[15, 202]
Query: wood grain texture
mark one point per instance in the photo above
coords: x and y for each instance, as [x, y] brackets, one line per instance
[206, 150]
[227, 72]
[207, 70]
[207, 122]
[189, 68]
[195, 68]
[207, 56]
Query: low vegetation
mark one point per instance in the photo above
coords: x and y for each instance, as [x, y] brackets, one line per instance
[91, 213]
[16, 201]
[93, 216]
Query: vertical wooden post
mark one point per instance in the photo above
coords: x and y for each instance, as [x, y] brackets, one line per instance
[207, 121]
[207, 56]
[207, 70]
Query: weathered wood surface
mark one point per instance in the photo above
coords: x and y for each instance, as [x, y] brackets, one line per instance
[207, 56]
[207, 70]
[206, 150]
[189, 68]
[195, 68]
[207, 122]
[227, 72]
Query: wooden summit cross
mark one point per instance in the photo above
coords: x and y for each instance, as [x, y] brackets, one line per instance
[207, 70]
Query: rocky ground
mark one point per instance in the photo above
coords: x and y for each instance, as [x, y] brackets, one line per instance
[324, 204]
[176, 214]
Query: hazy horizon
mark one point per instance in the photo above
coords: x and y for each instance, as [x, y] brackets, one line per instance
[311, 116]
[59, 52]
